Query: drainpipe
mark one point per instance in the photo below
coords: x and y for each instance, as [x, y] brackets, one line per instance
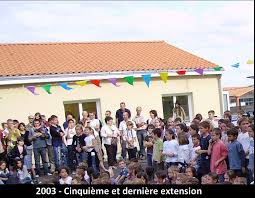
[220, 94]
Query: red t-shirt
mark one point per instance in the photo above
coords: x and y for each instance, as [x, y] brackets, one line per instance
[218, 151]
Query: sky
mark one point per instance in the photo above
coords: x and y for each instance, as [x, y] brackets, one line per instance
[219, 31]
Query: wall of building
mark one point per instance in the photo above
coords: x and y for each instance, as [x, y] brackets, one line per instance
[17, 102]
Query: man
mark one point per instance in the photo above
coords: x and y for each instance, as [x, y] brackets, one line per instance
[141, 130]
[69, 116]
[119, 113]
[94, 123]
[108, 113]
[85, 118]
[29, 126]
[123, 130]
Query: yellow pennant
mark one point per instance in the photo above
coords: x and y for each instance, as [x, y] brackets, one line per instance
[250, 62]
[81, 83]
[164, 76]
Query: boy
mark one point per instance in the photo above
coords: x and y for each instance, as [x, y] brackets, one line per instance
[211, 117]
[160, 177]
[219, 153]
[236, 155]
[212, 178]
[196, 147]
[123, 172]
[157, 150]
[204, 159]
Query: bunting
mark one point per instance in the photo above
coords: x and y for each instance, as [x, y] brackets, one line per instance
[200, 71]
[147, 79]
[218, 68]
[96, 82]
[113, 81]
[250, 62]
[181, 72]
[236, 65]
[32, 89]
[163, 76]
[81, 83]
[65, 86]
[129, 79]
[47, 88]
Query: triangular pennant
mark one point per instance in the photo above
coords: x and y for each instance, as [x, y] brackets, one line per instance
[181, 72]
[32, 89]
[81, 83]
[200, 71]
[96, 82]
[218, 68]
[249, 62]
[129, 79]
[163, 76]
[65, 86]
[113, 81]
[235, 65]
[47, 88]
[147, 79]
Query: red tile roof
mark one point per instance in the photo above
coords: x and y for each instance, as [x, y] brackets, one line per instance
[238, 91]
[66, 58]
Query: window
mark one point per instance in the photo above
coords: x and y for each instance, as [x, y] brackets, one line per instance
[168, 105]
[247, 101]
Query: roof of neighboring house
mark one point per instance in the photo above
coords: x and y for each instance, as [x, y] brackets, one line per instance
[238, 91]
[67, 58]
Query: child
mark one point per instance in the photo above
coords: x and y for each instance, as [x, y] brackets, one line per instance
[219, 153]
[160, 177]
[223, 128]
[150, 172]
[18, 152]
[148, 143]
[131, 140]
[211, 117]
[244, 138]
[229, 176]
[76, 181]
[251, 154]
[212, 178]
[157, 150]
[64, 176]
[204, 179]
[22, 173]
[204, 159]
[170, 149]
[4, 172]
[181, 178]
[78, 143]
[193, 129]
[143, 176]
[196, 147]
[240, 181]
[191, 171]
[184, 156]
[131, 173]
[172, 174]
[123, 172]
[236, 155]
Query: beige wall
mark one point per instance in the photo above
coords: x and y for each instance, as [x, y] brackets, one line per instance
[17, 102]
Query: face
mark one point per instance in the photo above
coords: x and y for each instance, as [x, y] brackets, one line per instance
[178, 129]
[226, 178]
[231, 138]
[71, 124]
[69, 117]
[152, 115]
[192, 131]
[37, 124]
[122, 164]
[210, 115]
[203, 130]
[177, 105]
[214, 136]
[19, 164]
[178, 180]
[43, 117]
[22, 127]
[63, 173]
[150, 130]
[55, 121]
[204, 180]
[110, 122]
[91, 116]
[5, 126]
[170, 122]
[84, 114]
[195, 141]
[210, 180]
[37, 116]
[168, 136]
[107, 113]
[30, 119]
[223, 127]
[122, 106]
[125, 115]
[3, 166]
[21, 143]
[78, 131]
[10, 125]
[74, 181]
[170, 173]
[86, 131]
[129, 127]
[189, 172]
[138, 110]
[245, 126]
[251, 132]
[157, 123]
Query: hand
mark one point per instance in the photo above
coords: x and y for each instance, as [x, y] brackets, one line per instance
[216, 163]
[85, 148]
[61, 134]
[210, 141]
[198, 152]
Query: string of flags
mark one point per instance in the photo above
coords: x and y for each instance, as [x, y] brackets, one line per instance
[128, 79]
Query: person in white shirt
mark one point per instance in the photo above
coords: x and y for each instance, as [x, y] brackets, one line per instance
[141, 130]
[196, 147]
[123, 129]
[244, 138]
[64, 176]
[184, 150]
[109, 134]
[211, 117]
[94, 123]
[68, 140]
[130, 137]
[170, 149]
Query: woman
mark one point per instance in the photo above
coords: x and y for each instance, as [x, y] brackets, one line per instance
[153, 117]
[178, 111]
[109, 134]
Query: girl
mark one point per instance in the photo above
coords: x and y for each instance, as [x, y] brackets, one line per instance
[148, 143]
[191, 171]
[229, 176]
[131, 139]
[153, 117]
[64, 176]
[4, 172]
[170, 149]
[18, 152]
[90, 149]
[172, 172]
[178, 111]
[78, 143]
[184, 151]
[21, 172]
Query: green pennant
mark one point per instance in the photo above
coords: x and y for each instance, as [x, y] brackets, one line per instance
[218, 68]
[129, 79]
[47, 88]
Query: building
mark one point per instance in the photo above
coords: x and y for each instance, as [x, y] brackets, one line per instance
[38, 64]
[241, 98]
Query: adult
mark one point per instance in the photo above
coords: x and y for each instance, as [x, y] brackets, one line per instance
[12, 134]
[178, 111]
[49, 149]
[153, 117]
[108, 113]
[109, 134]
[29, 126]
[123, 130]
[85, 118]
[69, 116]
[38, 135]
[120, 112]
[94, 123]
[141, 130]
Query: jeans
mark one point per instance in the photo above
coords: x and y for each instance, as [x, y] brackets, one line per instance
[111, 151]
[149, 159]
[80, 157]
[40, 152]
[28, 159]
[71, 157]
[141, 134]
[132, 153]
[60, 156]
[93, 161]
[50, 153]
[203, 167]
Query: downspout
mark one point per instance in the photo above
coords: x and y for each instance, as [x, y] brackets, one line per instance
[220, 94]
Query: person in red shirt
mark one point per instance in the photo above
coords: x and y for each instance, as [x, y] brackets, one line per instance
[218, 152]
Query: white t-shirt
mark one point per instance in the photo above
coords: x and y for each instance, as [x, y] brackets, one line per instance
[108, 130]
[193, 152]
[129, 135]
[94, 123]
[89, 142]
[244, 139]
[123, 126]
[68, 180]
[171, 146]
[71, 133]
[184, 153]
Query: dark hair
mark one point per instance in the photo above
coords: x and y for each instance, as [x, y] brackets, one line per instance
[130, 123]
[20, 139]
[196, 136]
[193, 170]
[150, 126]
[170, 132]
[242, 120]
[3, 162]
[199, 117]
[183, 127]
[3, 123]
[211, 111]
[22, 125]
[177, 102]
[66, 168]
[192, 181]
[16, 160]
[154, 112]
[221, 120]
[36, 120]
[177, 119]
[194, 127]
[49, 119]
[53, 117]
[144, 175]
[231, 174]
[150, 172]
[233, 132]
[205, 124]
[70, 120]
[217, 131]
[38, 114]
[15, 121]
[161, 174]
[214, 176]
[228, 114]
[107, 118]
[157, 132]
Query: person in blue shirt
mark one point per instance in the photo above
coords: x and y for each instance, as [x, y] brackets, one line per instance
[236, 155]
[119, 113]
[123, 172]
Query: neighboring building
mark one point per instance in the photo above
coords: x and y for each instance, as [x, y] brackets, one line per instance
[22, 65]
[241, 98]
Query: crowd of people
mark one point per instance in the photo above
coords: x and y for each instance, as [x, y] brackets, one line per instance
[143, 151]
